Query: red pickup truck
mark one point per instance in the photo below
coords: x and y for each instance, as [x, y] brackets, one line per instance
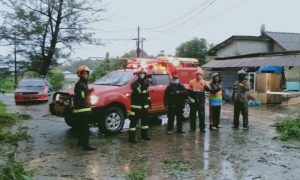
[111, 97]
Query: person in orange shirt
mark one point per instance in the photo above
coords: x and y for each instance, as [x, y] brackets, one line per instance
[197, 90]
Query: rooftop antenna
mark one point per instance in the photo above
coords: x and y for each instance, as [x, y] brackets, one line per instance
[262, 30]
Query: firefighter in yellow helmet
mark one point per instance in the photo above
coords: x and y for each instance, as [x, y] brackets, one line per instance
[198, 86]
[140, 104]
[82, 109]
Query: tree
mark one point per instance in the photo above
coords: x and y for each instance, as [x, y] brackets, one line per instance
[106, 66]
[45, 30]
[74, 64]
[56, 78]
[195, 48]
[132, 54]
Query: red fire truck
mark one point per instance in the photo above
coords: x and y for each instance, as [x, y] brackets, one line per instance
[111, 98]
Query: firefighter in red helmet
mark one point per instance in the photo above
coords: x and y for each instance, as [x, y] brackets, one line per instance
[82, 109]
[140, 104]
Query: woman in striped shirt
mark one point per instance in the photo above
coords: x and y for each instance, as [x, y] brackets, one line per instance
[215, 101]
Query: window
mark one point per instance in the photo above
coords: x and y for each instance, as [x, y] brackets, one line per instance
[252, 81]
[161, 79]
[115, 78]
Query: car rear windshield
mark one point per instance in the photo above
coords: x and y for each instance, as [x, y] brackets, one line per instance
[31, 83]
[115, 78]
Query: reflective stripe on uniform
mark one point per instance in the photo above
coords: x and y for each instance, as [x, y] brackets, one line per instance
[82, 94]
[82, 110]
[139, 89]
[198, 90]
[145, 91]
[136, 107]
[132, 113]
[132, 129]
[145, 127]
[139, 107]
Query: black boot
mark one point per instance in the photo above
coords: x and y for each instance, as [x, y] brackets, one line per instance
[145, 134]
[132, 136]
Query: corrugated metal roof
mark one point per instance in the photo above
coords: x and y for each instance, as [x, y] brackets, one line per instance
[282, 60]
[289, 41]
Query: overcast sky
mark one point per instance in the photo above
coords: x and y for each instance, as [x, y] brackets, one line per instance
[167, 23]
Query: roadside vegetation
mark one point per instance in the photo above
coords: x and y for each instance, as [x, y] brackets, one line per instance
[9, 167]
[106, 66]
[288, 129]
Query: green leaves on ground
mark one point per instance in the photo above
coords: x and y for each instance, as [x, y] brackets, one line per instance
[14, 138]
[8, 119]
[14, 171]
[175, 167]
[289, 128]
[136, 176]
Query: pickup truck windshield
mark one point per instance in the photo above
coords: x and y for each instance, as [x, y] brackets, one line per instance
[115, 78]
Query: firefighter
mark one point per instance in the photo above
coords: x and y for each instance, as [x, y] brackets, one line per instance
[215, 101]
[174, 99]
[239, 98]
[140, 104]
[82, 109]
[197, 90]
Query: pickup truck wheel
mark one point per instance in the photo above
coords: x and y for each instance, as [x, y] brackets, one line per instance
[113, 121]
[70, 121]
[186, 111]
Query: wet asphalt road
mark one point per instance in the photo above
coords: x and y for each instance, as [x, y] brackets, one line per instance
[223, 154]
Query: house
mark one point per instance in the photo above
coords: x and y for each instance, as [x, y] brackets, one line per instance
[271, 48]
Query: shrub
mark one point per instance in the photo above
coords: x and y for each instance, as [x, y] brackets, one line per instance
[289, 128]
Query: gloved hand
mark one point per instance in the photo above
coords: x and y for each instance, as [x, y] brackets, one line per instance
[150, 106]
[206, 88]
[192, 100]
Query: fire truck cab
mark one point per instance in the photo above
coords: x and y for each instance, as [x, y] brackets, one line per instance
[111, 97]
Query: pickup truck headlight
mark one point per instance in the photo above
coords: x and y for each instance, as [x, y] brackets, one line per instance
[93, 99]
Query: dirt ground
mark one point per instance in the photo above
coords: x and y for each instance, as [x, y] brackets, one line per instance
[222, 154]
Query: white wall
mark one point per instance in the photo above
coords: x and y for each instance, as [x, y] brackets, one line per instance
[243, 47]
[292, 74]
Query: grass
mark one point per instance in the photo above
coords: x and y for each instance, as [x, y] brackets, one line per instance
[12, 169]
[288, 129]
[176, 167]
[136, 176]
[14, 138]
[9, 119]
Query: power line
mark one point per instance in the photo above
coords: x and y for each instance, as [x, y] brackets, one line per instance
[218, 15]
[192, 17]
[193, 12]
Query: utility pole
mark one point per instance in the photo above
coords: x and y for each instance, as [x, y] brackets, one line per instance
[138, 42]
[15, 53]
[142, 41]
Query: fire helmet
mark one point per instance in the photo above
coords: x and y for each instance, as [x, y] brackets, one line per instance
[241, 72]
[81, 69]
[199, 71]
[141, 70]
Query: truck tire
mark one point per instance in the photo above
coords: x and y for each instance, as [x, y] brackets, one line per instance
[70, 121]
[186, 111]
[112, 121]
